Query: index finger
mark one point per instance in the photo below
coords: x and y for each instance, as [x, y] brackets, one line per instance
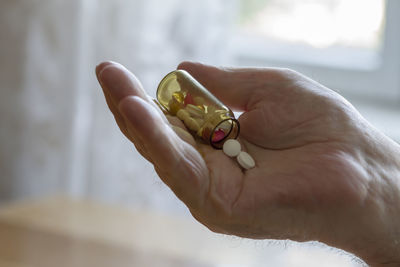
[238, 88]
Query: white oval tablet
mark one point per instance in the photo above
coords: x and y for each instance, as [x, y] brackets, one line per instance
[194, 111]
[182, 114]
[231, 148]
[245, 160]
[192, 124]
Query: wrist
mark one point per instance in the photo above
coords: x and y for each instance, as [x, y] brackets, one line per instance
[378, 241]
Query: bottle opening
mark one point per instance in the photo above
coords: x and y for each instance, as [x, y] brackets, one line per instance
[226, 129]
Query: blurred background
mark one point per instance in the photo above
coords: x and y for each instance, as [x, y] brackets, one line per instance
[57, 136]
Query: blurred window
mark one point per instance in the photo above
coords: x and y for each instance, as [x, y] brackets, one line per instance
[358, 40]
[354, 23]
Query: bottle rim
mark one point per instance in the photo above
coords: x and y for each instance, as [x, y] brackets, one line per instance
[218, 144]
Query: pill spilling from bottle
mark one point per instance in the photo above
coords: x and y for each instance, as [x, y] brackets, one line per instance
[207, 118]
[198, 116]
[232, 148]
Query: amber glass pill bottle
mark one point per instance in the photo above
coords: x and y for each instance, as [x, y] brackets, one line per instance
[203, 114]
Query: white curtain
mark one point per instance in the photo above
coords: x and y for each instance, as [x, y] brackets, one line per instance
[56, 134]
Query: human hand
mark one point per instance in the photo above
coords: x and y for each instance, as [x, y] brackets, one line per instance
[322, 172]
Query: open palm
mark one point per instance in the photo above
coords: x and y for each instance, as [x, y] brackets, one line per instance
[304, 138]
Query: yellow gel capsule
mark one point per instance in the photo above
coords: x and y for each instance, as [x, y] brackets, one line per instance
[178, 96]
[174, 106]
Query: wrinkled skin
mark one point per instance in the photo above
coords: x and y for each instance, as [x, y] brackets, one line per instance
[322, 171]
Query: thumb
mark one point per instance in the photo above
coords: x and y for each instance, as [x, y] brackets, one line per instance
[178, 163]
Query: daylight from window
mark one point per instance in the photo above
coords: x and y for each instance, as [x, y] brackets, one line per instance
[318, 23]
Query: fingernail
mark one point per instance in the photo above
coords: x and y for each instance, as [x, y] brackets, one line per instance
[102, 65]
[185, 64]
[113, 80]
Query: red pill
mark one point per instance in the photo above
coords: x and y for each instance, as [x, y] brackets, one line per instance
[218, 135]
[188, 100]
